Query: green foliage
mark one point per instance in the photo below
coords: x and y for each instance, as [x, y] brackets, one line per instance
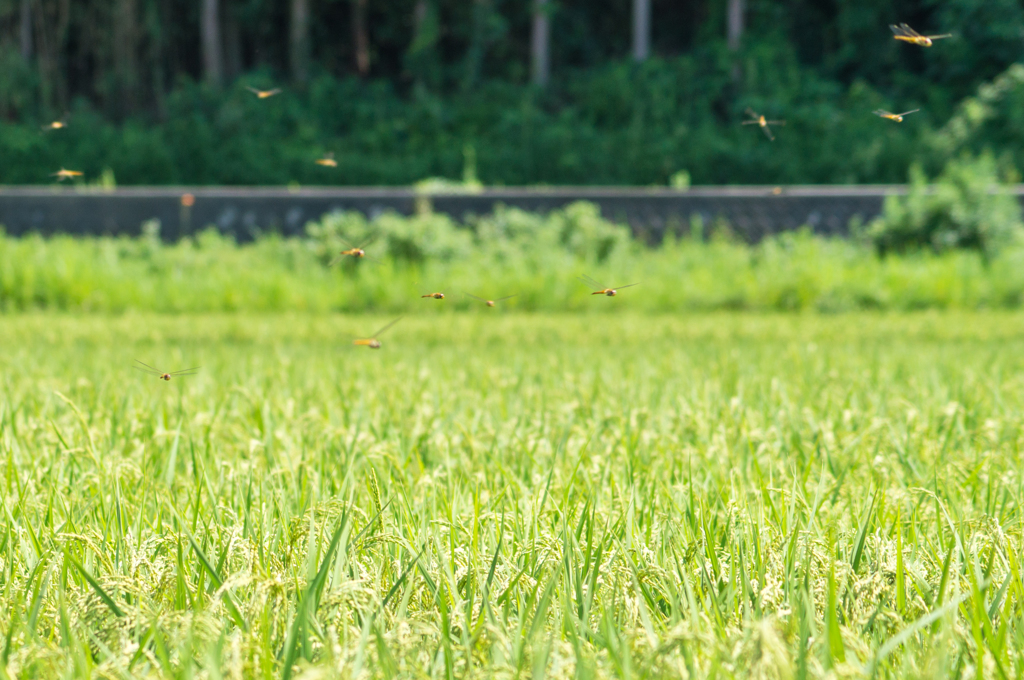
[967, 207]
[622, 123]
[509, 252]
[514, 495]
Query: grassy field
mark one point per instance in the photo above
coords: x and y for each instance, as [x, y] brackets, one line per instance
[536, 256]
[507, 495]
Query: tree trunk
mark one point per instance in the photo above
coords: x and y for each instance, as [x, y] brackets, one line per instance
[421, 59]
[641, 29]
[361, 37]
[25, 30]
[477, 44]
[540, 42]
[419, 15]
[736, 11]
[126, 58]
[300, 41]
[209, 28]
[232, 44]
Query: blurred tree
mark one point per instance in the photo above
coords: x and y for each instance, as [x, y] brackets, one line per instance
[540, 38]
[361, 37]
[299, 41]
[641, 29]
[213, 69]
[25, 30]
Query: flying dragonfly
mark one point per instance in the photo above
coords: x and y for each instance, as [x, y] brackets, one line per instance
[263, 94]
[357, 253]
[909, 35]
[373, 342]
[63, 174]
[490, 303]
[760, 120]
[57, 124]
[898, 117]
[436, 296]
[163, 375]
[327, 161]
[602, 289]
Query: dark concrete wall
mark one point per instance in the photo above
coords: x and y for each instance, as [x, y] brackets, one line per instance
[752, 212]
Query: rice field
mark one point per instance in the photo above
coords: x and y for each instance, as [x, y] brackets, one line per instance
[511, 495]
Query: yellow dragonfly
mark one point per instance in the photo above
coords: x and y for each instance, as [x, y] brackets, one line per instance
[603, 289]
[372, 342]
[490, 303]
[898, 117]
[760, 120]
[164, 375]
[263, 94]
[327, 161]
[908, 35]
[357, 253]
[57, 124]
[436, 296]
[63, 174]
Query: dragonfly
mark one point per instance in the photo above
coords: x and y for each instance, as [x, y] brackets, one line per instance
[898, 117]
[358, 253]
[909, 35]
[63, 174]
[373, 342]
[490, 303]
[436, 296]
[263, 94]
[327, 161]
[57, 124]
[760, 120]
[164, 375]
[602, 289]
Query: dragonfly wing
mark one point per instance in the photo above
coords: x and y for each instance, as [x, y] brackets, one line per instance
[591, 282]
[185, 371]
[476, 298]
[507, 297]
[905, 113]
[630, 285]
[382, 330]
[146, 368]
[883, 113]
[768, 132]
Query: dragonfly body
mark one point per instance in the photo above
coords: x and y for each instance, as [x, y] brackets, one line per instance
[490, 303]
[897, 117]
[263, 94]
[763, 123]
[610, 291]
[63, 174]
[55, 125]
[327, 161]
[436, 296]
[164, 375]
[906, 34]
[374, 343]
[358, 253]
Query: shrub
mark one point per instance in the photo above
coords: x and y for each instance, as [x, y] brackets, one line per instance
[967, 207]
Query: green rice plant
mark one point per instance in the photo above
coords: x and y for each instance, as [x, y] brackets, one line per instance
[512, 495]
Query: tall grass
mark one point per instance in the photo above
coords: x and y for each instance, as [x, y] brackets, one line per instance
[508, 252]
[512, 496]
